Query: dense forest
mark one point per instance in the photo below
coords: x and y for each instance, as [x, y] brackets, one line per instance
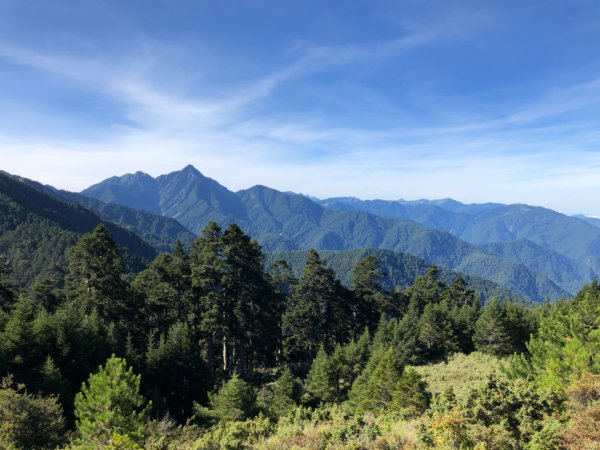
[207, 349]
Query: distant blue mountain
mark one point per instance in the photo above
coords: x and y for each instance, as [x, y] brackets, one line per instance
[283, 221]
[562, 248]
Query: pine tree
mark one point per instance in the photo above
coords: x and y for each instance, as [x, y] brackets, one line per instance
[380, 385]
[318, 313]
[410, 396]
[406, 337]
[426, 289]
[110, 402]
[19, 341]
[492, 332]
[286, 393]
[96, 276]
[165, 286]
[567, 342]
[238, 310]
[321, 385]
[236, 400]
[435, 332]
[349, 361]
[207, 266]
[176, 372]
[370, 297]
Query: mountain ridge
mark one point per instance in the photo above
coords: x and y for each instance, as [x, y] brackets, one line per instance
[284, 221]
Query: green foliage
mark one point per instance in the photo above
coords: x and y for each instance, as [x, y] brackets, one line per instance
[410, 396]
[503, 328]
[282, 396]
[29, 421]
[499, 415]
[237, 434]
[318, 313]
[435, 331]
[165, 287]
[371, 299]
[96, 273]
[110, 402]
[36, 229]
[236, 400]
[374, 389]
[321, 385]
[175, 372]
[567, 342]
[462, 373]
[237, 307]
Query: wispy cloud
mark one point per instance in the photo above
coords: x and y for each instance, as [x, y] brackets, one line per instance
[233, 132]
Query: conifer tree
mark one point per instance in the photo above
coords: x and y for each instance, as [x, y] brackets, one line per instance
[406, 337]
[238, 310]
[283, 283]
[95, 279]
[176, 372]
[207, 267]
[435, 331]
[426, 289]
[380, 385]
[492, 334]
[370, 298]
[286, 393]
[236, 400]
[410, 396]
[349, 361]
[110, 402]
[165, 286]
[318, 313]
[321, 385]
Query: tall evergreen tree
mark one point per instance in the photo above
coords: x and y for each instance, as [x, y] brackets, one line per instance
[283, 283]
[207, 267]
[319, 313]
[175, 372]
[237, 307]
[427, 288]
[166, 289]
[492, 333]
[435, 331]
[96, 276]
[371, 299]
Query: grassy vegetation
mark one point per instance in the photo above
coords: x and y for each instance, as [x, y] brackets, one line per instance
[462, 373]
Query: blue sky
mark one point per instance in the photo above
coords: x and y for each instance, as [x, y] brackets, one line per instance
[479, 101]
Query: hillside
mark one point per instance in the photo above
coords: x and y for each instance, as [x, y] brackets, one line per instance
[287, 221]
[37, 229]
[564, 249]
[400, 269]
[159, 231]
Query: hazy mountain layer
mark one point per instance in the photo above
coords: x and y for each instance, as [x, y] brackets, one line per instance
[562, 248]
[400, 269]
[287, 221]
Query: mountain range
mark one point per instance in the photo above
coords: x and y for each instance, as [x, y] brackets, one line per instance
[505, 250]
[535, 251]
